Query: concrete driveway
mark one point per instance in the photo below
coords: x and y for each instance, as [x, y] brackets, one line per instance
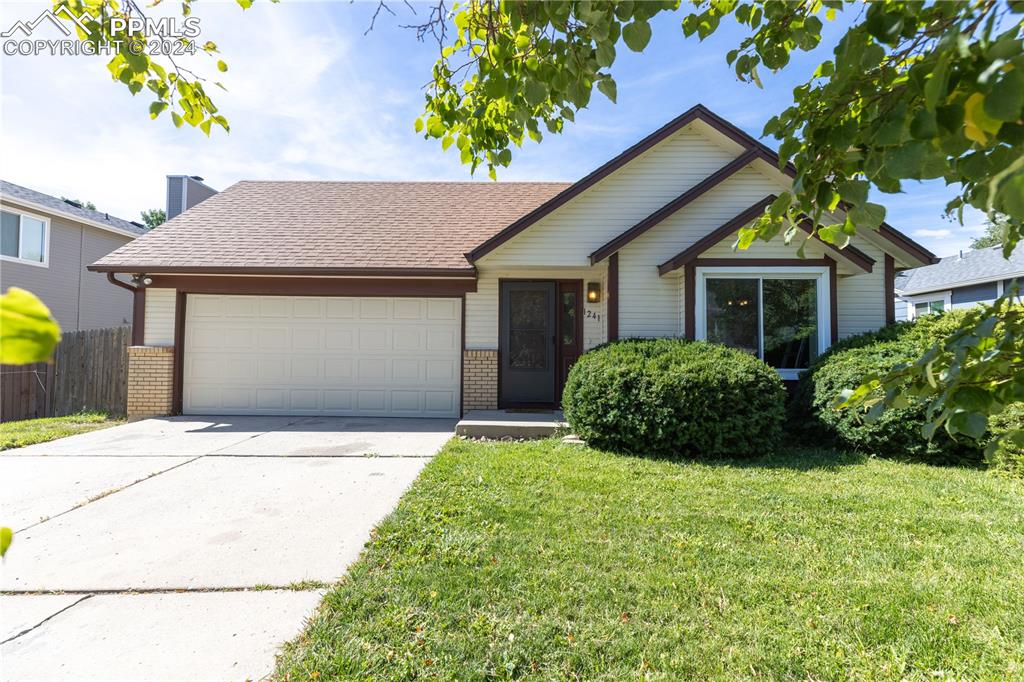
[189, 548]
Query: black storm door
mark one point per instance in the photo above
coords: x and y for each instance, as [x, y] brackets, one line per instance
[527, 343]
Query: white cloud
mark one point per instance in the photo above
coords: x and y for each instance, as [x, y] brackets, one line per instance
[935, 234]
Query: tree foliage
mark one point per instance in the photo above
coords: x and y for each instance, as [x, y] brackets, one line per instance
[995, 234]
[154, 217]
[81, 204]
[174, 88]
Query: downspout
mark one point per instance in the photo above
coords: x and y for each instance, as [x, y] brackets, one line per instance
[138, 309]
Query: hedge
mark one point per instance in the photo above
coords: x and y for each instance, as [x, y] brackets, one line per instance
[675, 398]
[897, 433]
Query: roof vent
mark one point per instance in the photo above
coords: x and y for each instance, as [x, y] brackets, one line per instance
[72, 203]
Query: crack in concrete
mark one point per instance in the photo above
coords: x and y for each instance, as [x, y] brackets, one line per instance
[299, 420]
[106, 493]
[47, 619]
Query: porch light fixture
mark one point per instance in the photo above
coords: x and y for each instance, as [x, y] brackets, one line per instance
[593, 292]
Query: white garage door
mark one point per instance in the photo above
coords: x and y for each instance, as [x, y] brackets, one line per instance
[322, 355]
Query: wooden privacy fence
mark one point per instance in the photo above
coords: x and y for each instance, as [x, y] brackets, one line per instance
[88, 373]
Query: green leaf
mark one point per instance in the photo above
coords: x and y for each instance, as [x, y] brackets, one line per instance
[1006, 99]
[607, 86]
[6, 538]
[28, 333]
[854, 192]
[636, 35]
[605, 54]
[868, 216]
[222, 65]
[177, 119]
[779, 207]
[535, 92]
[155, 108]
[906, 160]
[971, 424]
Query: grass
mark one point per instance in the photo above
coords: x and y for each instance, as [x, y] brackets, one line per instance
[545, 560]
[18, 434]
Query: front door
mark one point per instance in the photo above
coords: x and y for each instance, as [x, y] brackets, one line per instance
[529, 364]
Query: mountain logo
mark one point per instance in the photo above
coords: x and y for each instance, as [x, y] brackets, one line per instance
[27, 27]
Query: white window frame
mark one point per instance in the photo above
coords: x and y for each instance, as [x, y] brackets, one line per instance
[945, 296]
[45, 263]
[819, 274]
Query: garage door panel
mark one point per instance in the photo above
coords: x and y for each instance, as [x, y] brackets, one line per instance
[274, 307]
[312, 355]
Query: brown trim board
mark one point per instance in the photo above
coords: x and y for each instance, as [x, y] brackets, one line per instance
[315, 286]
[461, 273]
[612, 301]
[179, 353]
[833, 300]
[890, 289]
[139, 317]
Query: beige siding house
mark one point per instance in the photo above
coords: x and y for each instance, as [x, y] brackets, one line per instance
[433, 299]
[47, 244]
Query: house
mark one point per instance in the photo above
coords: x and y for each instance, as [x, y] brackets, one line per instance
[960, 281]
[47, 243]
[436, 298]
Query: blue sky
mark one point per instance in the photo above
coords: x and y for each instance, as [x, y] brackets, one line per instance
[312, 97]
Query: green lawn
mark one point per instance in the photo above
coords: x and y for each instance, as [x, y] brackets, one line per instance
[30, 431]
[550, 561]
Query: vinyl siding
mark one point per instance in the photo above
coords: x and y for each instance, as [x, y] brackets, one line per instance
[861, 298]
[78, 299]
[482, 306]
[159, 330]
[101, 304]
[567, 236]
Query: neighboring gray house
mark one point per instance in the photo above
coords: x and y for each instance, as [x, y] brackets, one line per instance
[959, 281]
[46, 244]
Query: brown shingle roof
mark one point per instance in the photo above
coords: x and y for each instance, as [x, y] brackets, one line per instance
[323, 226]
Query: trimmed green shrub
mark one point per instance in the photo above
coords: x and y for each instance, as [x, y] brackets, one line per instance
[669, 397]
[897, 432]
[1009, 456]
[921, 334]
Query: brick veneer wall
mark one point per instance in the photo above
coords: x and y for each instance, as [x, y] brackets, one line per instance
[480, 380]
[150, 381]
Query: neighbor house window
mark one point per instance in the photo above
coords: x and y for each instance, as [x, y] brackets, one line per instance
[23, 237]
[929, 308]
[779, 316]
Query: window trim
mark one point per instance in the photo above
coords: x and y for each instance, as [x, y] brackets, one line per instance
[945, 296]
[818, 273]
[45, 263]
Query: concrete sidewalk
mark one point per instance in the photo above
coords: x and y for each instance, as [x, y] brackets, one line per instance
[197, 563]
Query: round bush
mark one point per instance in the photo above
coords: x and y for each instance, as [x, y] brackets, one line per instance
[1008, 456]
[669, 397]
[920, 333]
[897, 432]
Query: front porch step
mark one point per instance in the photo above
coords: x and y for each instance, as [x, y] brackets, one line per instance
[511, 424]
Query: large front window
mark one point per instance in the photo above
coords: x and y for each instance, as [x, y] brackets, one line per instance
[777, 317]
